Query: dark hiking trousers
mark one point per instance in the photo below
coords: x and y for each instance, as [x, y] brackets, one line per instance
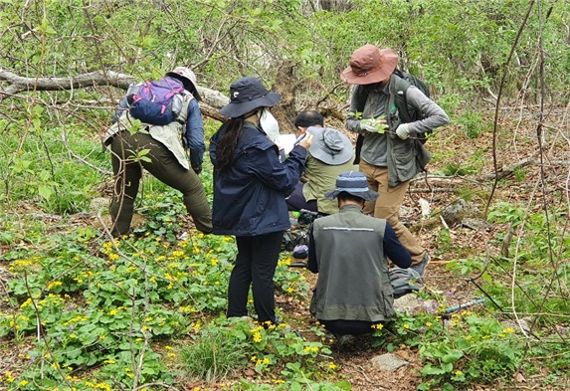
[255, 265]
[342, 327]
[164, 166]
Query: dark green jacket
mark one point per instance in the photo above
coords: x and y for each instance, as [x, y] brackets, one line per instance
[353, 282]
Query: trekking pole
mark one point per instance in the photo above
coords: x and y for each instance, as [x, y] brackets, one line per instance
[459, 307]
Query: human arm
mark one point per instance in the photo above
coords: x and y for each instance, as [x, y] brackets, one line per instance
[433, 116]
[194, 135]
[281, 176]
[394, 250]
[357, 102]
[123, 105]
[312, 264]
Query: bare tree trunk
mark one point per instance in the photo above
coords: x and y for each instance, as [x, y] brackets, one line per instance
[286, 85]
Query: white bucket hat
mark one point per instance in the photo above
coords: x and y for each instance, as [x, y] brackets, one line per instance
[189, 75]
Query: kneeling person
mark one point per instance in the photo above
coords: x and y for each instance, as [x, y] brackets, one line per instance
[330, 154]
[349, 251]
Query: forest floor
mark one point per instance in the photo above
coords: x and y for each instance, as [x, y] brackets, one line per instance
[459, 169]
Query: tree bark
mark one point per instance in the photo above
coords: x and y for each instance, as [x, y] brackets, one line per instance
[212, 100]
[286, 86]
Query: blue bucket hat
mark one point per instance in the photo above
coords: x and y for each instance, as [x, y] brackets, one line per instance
[246, 95]
[353, 183]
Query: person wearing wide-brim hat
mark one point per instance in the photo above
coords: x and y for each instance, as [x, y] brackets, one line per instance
[349, 250]
[388, 149]
[168, 160]
[250, 186]
[330, 154]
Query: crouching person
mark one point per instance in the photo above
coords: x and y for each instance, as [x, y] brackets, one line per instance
[349, 250]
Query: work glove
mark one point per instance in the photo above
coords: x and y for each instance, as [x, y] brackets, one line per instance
[197, 169]
[403, 131]
[374, 125]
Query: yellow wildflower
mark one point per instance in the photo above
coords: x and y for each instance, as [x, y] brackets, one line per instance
[311, 349]
[509, 330]
[214, 261]
[177, 254]
[9, 377]
[26, 303]
[113, 256]
[23, 383]
[256, 336]
[113, 312]
[54, 284]
[332, 366]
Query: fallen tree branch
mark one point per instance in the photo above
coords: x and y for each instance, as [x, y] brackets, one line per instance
[212, 99]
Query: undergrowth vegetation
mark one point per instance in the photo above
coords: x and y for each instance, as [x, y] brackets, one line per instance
[79, 311]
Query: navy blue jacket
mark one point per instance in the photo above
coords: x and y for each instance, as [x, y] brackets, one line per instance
[249, 195]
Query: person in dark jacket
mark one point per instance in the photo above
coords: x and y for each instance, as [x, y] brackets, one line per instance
[167, 159]
[250, 186]
[349, 250]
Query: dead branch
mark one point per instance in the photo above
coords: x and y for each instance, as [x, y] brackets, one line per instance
[212, 99]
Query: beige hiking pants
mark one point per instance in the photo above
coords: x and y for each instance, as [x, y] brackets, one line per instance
[387, 206]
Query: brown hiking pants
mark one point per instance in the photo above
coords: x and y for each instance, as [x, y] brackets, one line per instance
[162, 165]
[387, 206]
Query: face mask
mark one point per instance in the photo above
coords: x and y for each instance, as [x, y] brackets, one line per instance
[269, 125]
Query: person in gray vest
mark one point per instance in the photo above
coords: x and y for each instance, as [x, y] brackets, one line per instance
[167, 159]
[391, 154]
[349, 251]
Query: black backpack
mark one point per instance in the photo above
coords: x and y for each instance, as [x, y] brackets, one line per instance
[406, 112]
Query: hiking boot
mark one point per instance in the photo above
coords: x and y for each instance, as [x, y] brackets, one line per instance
[345, 343]
[421, 266]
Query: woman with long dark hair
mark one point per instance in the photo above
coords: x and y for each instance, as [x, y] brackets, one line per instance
[250, 186]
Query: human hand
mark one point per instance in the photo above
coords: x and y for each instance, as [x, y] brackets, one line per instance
[403, 131]
[306, 141]
[374, 125]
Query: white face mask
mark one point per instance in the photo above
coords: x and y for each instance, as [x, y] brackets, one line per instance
[269, 124]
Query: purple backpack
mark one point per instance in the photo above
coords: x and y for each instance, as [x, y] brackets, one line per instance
[153, 102]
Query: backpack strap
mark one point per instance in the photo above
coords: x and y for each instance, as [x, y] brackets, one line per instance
[400, 89]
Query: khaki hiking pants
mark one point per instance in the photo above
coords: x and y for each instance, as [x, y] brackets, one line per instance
[164, 167]
[387, 206]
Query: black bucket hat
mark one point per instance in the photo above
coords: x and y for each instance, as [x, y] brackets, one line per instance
[246, 95]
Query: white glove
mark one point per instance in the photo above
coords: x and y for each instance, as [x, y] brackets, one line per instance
[403, 132]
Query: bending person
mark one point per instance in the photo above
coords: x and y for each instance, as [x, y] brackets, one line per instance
[167, 159]
[331, 153]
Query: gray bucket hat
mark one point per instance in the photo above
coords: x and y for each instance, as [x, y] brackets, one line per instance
[246, 95]
[353, 183]
[330, 146]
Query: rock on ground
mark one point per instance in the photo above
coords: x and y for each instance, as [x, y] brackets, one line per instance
[411, 304]
[388, 362]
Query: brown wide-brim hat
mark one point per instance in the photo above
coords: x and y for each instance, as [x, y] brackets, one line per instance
[369, 64]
